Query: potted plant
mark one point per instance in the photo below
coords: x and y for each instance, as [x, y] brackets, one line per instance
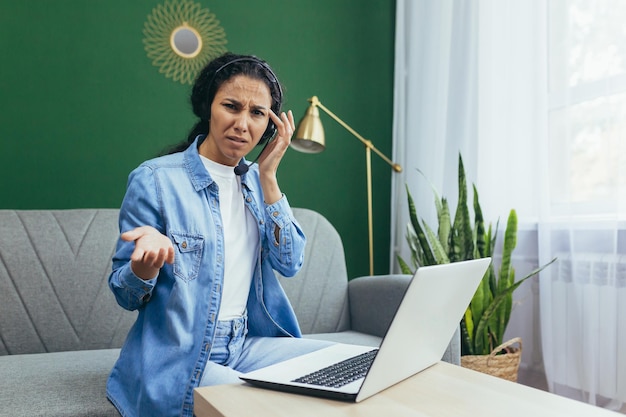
[487, 316]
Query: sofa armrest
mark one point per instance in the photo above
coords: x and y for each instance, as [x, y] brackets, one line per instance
[374, 301]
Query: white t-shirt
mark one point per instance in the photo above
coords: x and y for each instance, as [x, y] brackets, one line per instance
[241, 240]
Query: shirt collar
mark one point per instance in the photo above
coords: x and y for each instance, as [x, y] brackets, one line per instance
[200, 177]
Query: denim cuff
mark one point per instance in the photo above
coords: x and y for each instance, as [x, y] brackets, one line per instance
[280, 212]
[134, 285]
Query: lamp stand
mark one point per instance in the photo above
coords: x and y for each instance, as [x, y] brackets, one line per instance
[370, 220]
[369, 147]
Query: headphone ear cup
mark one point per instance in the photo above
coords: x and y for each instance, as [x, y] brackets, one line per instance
[269, 133]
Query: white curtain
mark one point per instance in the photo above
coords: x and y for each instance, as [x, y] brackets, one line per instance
[582, 299]
[434, 105]
[532, 93]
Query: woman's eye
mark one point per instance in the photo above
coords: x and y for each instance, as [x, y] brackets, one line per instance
[229, 106]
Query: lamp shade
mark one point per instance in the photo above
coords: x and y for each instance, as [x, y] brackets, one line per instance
[309, 137]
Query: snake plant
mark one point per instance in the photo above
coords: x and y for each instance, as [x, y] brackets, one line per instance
[487, 316]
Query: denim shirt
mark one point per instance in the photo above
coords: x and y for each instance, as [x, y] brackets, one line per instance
[167, 348]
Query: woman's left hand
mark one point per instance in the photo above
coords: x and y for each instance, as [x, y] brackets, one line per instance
[273, 154]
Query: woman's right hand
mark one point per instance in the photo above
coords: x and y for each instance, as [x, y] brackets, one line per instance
[152, 251]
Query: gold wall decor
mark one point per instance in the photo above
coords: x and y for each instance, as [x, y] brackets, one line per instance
[180, 37]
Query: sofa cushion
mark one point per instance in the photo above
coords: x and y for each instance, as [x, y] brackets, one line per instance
[56, 384]
[54, 293]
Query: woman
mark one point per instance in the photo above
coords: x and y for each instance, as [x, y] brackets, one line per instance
[202, 233]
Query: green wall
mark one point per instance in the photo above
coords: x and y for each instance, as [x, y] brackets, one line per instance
[81, 105]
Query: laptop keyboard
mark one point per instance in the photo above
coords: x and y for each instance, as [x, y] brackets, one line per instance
[341, 373]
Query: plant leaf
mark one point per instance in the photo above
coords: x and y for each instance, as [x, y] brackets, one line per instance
[416, 253]
[481, 347]
[461, 236]
[438, 201]
[479, 227]
[481, 328]
[404, 267]
[467, 330]
[438, 251]
[490, 245]
[510, 242]
[505, 280]
[428, 257]
[445, 226]
[481, 299]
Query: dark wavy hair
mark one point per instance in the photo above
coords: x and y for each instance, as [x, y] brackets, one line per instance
[212, 76]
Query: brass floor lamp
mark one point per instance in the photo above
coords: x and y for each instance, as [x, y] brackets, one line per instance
[309, 138]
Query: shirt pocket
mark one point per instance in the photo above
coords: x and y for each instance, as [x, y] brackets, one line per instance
[189, 255]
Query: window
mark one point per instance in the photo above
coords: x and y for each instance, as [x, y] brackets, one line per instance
[587, 107]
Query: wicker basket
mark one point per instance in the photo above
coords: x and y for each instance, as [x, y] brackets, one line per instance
[504, 365]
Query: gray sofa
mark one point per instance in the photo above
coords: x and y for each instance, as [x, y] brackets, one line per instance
[61, 329]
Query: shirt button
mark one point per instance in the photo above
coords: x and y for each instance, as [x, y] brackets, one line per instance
[275, 214]
[183, 245]
[249, 199]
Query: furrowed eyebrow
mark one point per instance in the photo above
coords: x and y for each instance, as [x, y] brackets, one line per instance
[259, 108]
[239, 104]
[232, 101]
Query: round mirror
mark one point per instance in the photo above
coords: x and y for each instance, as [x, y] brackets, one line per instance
[186, 41]
[180, 37]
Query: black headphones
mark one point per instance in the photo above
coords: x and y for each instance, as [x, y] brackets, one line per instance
[271, 128]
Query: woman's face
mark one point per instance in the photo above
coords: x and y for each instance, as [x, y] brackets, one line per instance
[239, 117]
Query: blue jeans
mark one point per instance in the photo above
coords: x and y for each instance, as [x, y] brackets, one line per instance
[233, 353]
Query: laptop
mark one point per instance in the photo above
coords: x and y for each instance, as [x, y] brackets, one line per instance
[416, 339]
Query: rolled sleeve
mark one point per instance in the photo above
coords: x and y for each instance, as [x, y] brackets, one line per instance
[288, 251]
[131, 291]
[280, 212]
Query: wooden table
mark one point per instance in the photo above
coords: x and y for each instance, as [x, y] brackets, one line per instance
[442, 390]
